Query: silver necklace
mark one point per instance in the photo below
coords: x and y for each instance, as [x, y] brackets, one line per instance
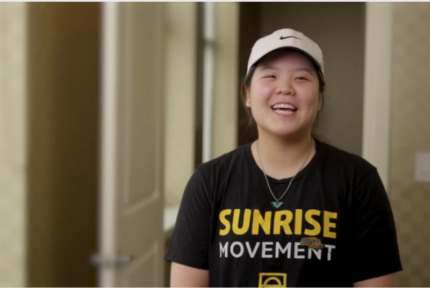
[278, 204]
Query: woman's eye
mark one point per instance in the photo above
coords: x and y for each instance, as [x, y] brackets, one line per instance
[270, 76]
[301, 78]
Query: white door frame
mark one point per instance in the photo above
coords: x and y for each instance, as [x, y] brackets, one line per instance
[131, 163]
[377, 87]
[108, 159]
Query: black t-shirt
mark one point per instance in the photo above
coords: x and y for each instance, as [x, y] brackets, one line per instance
[335, 225]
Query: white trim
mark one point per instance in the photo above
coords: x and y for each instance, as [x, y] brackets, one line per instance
[108, 174]
[208, 79]
[377, 87]
[13, 141]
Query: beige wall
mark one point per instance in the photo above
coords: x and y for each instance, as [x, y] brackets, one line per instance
[13, 163]
[410, 133]
[225, 83]
[182, 121]
[339, 30]
[180, 98]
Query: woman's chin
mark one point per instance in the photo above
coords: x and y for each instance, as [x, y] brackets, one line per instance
[290, 132]
[284, 133]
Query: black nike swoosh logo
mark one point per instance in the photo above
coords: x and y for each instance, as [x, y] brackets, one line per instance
[282, 38]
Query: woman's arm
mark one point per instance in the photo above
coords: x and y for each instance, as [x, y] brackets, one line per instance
[382, 281]
[185, 276]
[374, 250]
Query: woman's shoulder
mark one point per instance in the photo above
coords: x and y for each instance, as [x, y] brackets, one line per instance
[226, 161]
[342, 159]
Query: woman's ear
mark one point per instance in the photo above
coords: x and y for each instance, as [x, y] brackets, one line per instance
[248, 97]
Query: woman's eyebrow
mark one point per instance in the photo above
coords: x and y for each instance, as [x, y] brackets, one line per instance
[269, 67]
[305, 69]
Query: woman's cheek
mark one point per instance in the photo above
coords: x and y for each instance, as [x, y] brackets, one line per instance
[310, 99]
[264, 91]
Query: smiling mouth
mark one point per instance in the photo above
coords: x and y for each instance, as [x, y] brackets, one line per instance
[285, 109]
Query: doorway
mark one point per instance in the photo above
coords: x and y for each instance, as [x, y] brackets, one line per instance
[339, 29]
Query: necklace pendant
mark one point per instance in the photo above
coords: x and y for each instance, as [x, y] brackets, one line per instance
[276, 204]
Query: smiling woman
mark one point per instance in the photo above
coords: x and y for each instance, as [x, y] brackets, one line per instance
[240, 215]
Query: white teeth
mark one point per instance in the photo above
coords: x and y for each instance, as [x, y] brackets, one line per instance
[286, 112]
[283, 106]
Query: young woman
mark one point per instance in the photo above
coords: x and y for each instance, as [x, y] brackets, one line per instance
[287, 209]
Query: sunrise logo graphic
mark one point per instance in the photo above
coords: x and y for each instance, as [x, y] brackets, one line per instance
[272, 280]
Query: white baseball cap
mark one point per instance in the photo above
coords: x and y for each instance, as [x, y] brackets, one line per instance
[286, 38]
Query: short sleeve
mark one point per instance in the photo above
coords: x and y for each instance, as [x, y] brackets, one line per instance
[189, 244]
[375, 249]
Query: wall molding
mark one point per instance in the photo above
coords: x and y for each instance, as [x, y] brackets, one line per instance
[377, 87]
[13, 140]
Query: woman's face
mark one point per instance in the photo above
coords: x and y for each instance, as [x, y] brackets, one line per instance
[284, 94]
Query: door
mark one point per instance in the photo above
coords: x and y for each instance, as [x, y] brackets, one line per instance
[131, 218]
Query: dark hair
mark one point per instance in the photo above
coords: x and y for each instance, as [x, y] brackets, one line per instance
[250, 121]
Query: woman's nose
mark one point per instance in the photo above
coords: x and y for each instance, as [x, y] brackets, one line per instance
[285, 88]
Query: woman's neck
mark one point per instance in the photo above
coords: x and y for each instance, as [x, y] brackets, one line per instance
[281, 157]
